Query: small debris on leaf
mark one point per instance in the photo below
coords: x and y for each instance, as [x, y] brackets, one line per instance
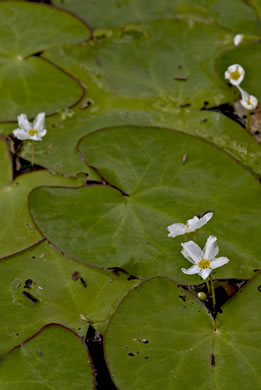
[28, 283]
[75, 275]
[180, 78]
[30, 297]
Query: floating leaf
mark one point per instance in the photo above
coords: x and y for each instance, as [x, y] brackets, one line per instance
[40, 286]
[171, 341]
[30, 84]
[55, 357]
[19, 232]
[235, 15]
[101, 226]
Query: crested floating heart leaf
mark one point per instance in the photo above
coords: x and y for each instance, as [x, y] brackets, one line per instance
[235, 15]
[53, 358]
[18, 231]
[101, 226]
[39, 286]
[148, 98]
[171, 341]
[28, 83]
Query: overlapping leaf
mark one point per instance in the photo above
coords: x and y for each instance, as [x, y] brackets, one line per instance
[172, 342]
[235, 15]
[102, 226]
[18, 231]
[29, 84]
[38, 287]
[54, 358]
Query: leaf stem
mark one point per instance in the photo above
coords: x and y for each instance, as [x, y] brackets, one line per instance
[248, 121]
[32, 153]
[213, 292]
[208, 287]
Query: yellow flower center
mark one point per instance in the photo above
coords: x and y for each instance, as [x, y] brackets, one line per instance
[235, 75]
[204, 263]
[32, 132]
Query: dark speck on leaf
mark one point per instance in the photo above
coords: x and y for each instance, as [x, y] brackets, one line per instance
[180, 78]
[33, 257]
[183, 297]
[126, 346]
[40, 352]
[259, 288]
[144, 341]
[212, 359]
[30, 297]
[28, 283]
[203, 120]
[131, 354]
[75, 275]
[146, 357]
[83, 282]
[185, 105]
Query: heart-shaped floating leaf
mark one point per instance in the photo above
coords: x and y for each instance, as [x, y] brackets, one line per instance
[101, 226]
[33, 85]
[18, 231]
[172, 342]
[235, 15]
[54, 358]
[169, 64]
[40, 286]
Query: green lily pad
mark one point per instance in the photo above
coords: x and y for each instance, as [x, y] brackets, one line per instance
[101, 226]
[169, 62]
[54, 358]
[6, 166]
[30, 84]
[235, 15]
[172, 342]
[55, 295]
[19, 232]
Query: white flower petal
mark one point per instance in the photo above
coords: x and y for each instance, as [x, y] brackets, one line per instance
[192, 270]
[204, 273]
[192, 252]
[23, 122]
[42, 133]
[192, 224]
[249, 102]
[203, 220]
[35, 137]
[238, 39]
[233, 69]
[211, 248]
[21, 134]
[176, 229]
[39, 121]
[218, 262]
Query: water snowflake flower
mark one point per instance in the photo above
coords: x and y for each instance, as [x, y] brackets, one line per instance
[249, 102]
[204, 261]
[235, 74]
[238, 39]
[191, 226]
[33, 131]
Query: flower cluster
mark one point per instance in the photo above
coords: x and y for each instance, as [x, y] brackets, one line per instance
[204, 261]
[235, 75]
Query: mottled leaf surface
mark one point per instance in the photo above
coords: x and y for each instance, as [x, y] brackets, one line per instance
[172, 342]
[101, 226]
[54, 358]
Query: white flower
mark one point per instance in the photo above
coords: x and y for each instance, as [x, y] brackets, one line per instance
[238, 39]
[235, 74]
[191, 226]
[203, 261]
[27, 130]
[249, 102]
